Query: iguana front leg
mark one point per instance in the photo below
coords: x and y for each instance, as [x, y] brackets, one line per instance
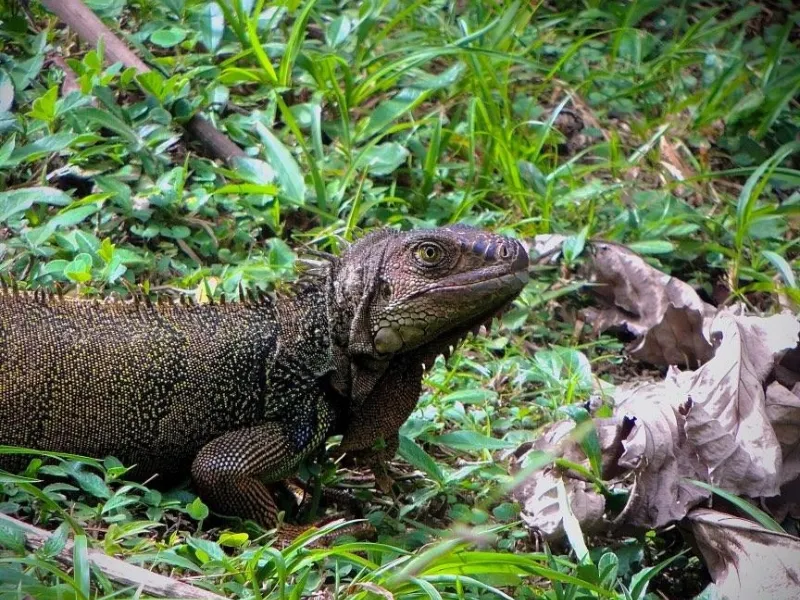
[372, 434]
[232, 471]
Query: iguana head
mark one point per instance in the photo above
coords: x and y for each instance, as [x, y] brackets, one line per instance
[421, 291]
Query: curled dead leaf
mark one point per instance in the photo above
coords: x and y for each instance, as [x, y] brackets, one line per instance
[665, 315]
[727, 423]
[745, 560]
[783, 411]
[542, 512]
[714, 424]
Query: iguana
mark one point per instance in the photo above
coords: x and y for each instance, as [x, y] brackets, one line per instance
[239, 393]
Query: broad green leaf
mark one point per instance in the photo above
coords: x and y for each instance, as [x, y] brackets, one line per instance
[80, 565]
[108, 120]
[419, 459]
[56, 542]
[17, 201]
[233, 540]
[253, 170]
[80, 269]
[42, 147]
[290, 177]
[469, 396]
[652, 247]
[471, 441]
[212, 25]
[167, 37]
[12, 538]
[382, 159]
[338, 30]
[388, 111]
[783, 267]
[197, 509]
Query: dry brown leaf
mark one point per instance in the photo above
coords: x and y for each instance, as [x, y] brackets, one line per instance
[664, 314]
[657, 451]
[546, 247]
[783, 411]
[542, 512]
[745, 560]
[713, 424]
[726, 422]
[538, 493]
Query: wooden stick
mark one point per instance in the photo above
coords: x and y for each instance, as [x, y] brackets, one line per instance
[91, 29]
[115, 569]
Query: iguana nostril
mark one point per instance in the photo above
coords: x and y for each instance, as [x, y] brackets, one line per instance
[520, 254]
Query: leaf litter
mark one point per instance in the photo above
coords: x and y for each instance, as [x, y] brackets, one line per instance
[730, 419]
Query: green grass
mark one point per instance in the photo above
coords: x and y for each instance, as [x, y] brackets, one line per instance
[670, 129]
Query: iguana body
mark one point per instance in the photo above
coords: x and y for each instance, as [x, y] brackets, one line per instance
[238, 394]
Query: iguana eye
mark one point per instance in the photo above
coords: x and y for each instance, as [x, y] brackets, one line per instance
[429, 254]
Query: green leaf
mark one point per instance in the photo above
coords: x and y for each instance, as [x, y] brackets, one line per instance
[290, 177]
[573, 246]
[753, 187]
[471, 441]
[641, 580]
[608, 567]
[212, 25]
[80, 269]
[338, 30]
[293, 44]
[49, 144]
[382, 159]
[758, 515]
[67, 218]
[12, 539]
[206, 549]
[197, 509]
[469, 396]
[6, 149]
[233, 540]
[652, 247]
[44, 107]
[80, 565]
[745, 106]
[102, 118]
[16, 201]
[254, 170]
[586, 435]
[388, 111]
[783, 267]
[167, 37]
[56, 542]
[6, 92]
[419, 459]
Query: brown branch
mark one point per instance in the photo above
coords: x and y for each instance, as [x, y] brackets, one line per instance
[91, 29]
[115, 569]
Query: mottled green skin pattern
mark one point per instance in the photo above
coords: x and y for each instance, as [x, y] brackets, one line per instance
[238, 394]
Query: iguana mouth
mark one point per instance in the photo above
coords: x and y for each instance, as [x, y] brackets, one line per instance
[500, 282]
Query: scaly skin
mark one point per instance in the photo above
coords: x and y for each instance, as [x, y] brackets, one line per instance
[238, 394]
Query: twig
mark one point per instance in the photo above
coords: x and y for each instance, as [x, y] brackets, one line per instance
[114, 568]
[91, 29]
